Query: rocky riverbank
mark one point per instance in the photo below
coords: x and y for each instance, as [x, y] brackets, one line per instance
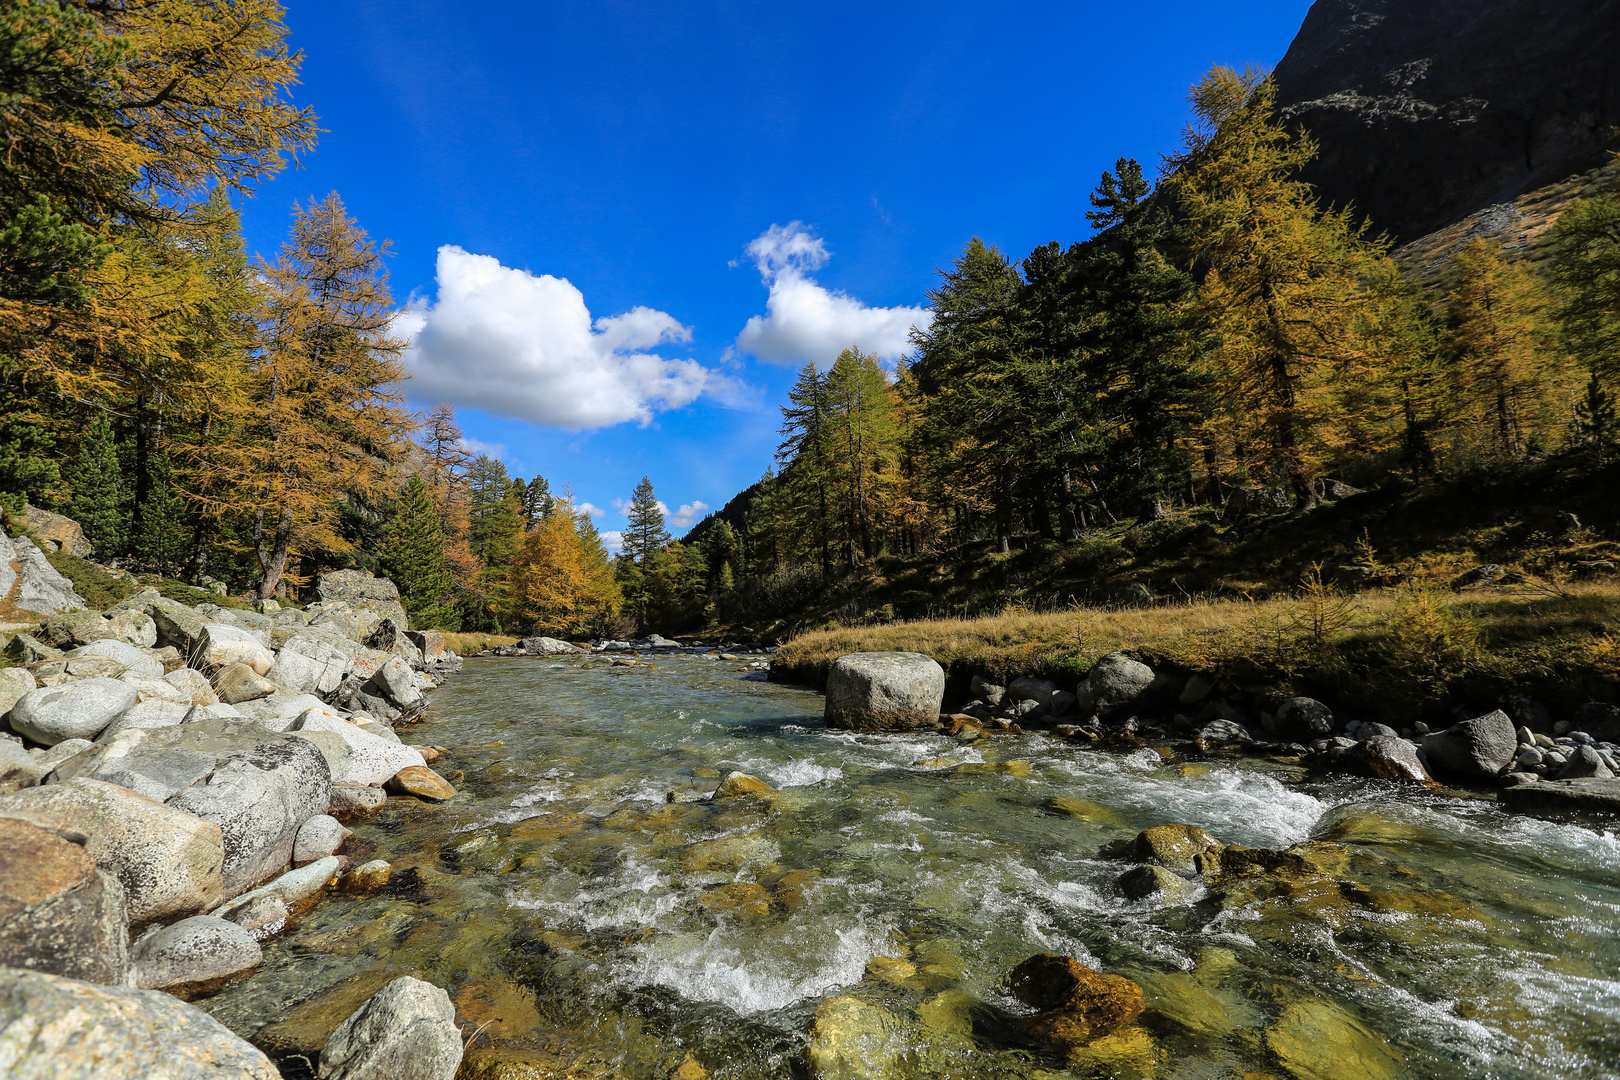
[174, 786]
[1539, 760]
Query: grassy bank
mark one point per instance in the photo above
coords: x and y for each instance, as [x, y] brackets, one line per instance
[473, 644]
[1405, 653]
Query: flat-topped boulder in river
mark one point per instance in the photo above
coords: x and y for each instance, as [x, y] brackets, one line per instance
[884, 691]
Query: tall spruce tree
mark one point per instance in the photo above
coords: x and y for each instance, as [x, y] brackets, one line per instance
[1587, 272]
[538, 501]
[644, 536]
[100, 502]
[413, 556]
[1597, 423]
[802, 501]
[163, 537]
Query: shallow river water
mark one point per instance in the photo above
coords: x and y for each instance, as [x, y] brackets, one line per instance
[591, 927]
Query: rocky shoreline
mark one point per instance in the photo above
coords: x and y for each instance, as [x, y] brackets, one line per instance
[1537, 761]
[174, 786]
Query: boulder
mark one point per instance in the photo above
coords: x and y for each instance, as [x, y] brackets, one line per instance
[278, 711]
[352, 802]
[66, 750]
[257, 785]
[307, 664]
[1384, 757]
[884, 691]
[1115, 685]
[1183, 848]
[176, 624]
[133, 660]
[64, 1029]
[147, 714]
[222, 644]
[1224, 733]
[39, 588]
[59, 912]
[1144, 882]
[194, 957]
[358, 589]
[14, 683]
[67, 629]
[56, 532]
[430, 643]
[18, 769]
[333, 747]
[194, 685]
[372, 760]
[167, 861]
[236, 683]
[1026, 688]
[1584, 762]
[293, 890]
[76, 710]
[740, 783]
[407, 1031]
[134, 627]
[149, 689]
[547, 646]
[317, 838]
[367, 876]
[1301, 720]
[1073, 1004]
[27, 649]
[423, 783]
[1590, 794]
[397, 682]
[1476, 749]
[986, 691]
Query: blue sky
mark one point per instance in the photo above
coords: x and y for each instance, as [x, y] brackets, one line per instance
[620, 227]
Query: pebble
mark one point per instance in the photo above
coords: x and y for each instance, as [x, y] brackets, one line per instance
[1526, 737]
[1544, 740]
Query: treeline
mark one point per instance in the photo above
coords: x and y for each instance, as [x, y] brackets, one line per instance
[1222, 330]
[205, 415]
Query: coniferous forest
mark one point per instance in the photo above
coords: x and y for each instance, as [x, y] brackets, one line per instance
[241, 423]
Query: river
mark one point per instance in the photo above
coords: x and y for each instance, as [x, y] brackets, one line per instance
[588, 922]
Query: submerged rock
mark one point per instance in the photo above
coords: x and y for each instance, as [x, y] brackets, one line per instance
[884, 691]
[1073, 1003]
[1317, 1040]
[1152, 881]
[63, 1029]
[852, 1040]
[740, 783]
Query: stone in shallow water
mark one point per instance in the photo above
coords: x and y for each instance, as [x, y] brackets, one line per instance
[1073, 1003]
[422, 782]
[1175, 847]
[1152, 881]
[739, 900]
[884, 691]
[852, 1040]
[407, 1031]
[1317, 1040]
[194, 956]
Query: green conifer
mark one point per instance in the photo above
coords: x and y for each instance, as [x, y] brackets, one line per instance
[100, 502]
[1596, 421]
[163, 538]
[413, 556]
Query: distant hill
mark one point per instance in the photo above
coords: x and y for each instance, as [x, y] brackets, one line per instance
[1428, 111]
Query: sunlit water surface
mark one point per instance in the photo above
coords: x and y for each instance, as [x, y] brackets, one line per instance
[563, 878]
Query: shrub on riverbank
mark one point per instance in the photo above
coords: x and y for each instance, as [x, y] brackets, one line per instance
[1406, 652]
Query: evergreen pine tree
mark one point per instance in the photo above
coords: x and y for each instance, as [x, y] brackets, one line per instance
[28, 473]
[538, 502]
[802, 499]
[100, 496]
[1596, 420]
[163, 539]
[643, 537]
[413, 556]
[1587, 271]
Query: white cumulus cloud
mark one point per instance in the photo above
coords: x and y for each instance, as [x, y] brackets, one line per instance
[612, 541]
[510, 343]
[806, 321]
[592, 509]
[687, 516]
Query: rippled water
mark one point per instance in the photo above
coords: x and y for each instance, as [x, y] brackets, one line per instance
[593, 925]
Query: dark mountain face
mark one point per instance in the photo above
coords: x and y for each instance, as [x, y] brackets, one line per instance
[1427, 110]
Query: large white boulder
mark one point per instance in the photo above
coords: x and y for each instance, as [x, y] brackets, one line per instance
[407, 1031]
[193, 955]
[372, 759]
[39, 588]
[75, 710]
[884, 691]
[220, 644]
[307, 664]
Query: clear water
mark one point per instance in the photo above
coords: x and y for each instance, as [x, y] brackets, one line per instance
[565, 876]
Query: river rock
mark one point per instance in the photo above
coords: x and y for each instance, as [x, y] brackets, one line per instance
[64, 751]
[18, 769]
[194, 685]
[1301, 720]
[352, 802]
[317, 838]
[1115, 684]
[333, 747]
[64, 1029]
[14, 683]
[122, 652]
[236, 683]
[1584, 762]
[281, 710]
[397, 682]
[27, 649]
[1590, 794]
[294, 889]
[1073, 1003]
[852, 1040]
[194, 957]
[1384, 757]
[884, 691]
[258, 786]
[1183, 848]
[149, 689]
[147, 714]
[407, 1031]
[177, 624]
[1317, 1040]
[59, 912]
[134, 627]
[1475, 749]
[986, 691]
[307, 664]
[740, 783]
[1152, 881]
[167, 861]
[423, 783]
[77, 710]
[1027, 688]
[372, 759]
[367, 877]
[39, 587]
[358, 589]
[1374, 731]
[222, 644]
[1224, 733]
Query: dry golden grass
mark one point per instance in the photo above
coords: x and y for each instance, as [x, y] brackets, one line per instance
[1424, 635]
[472, 644]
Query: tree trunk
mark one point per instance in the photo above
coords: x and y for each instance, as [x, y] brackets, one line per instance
[272, 560]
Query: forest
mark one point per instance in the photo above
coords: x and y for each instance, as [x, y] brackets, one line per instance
[241, 423]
